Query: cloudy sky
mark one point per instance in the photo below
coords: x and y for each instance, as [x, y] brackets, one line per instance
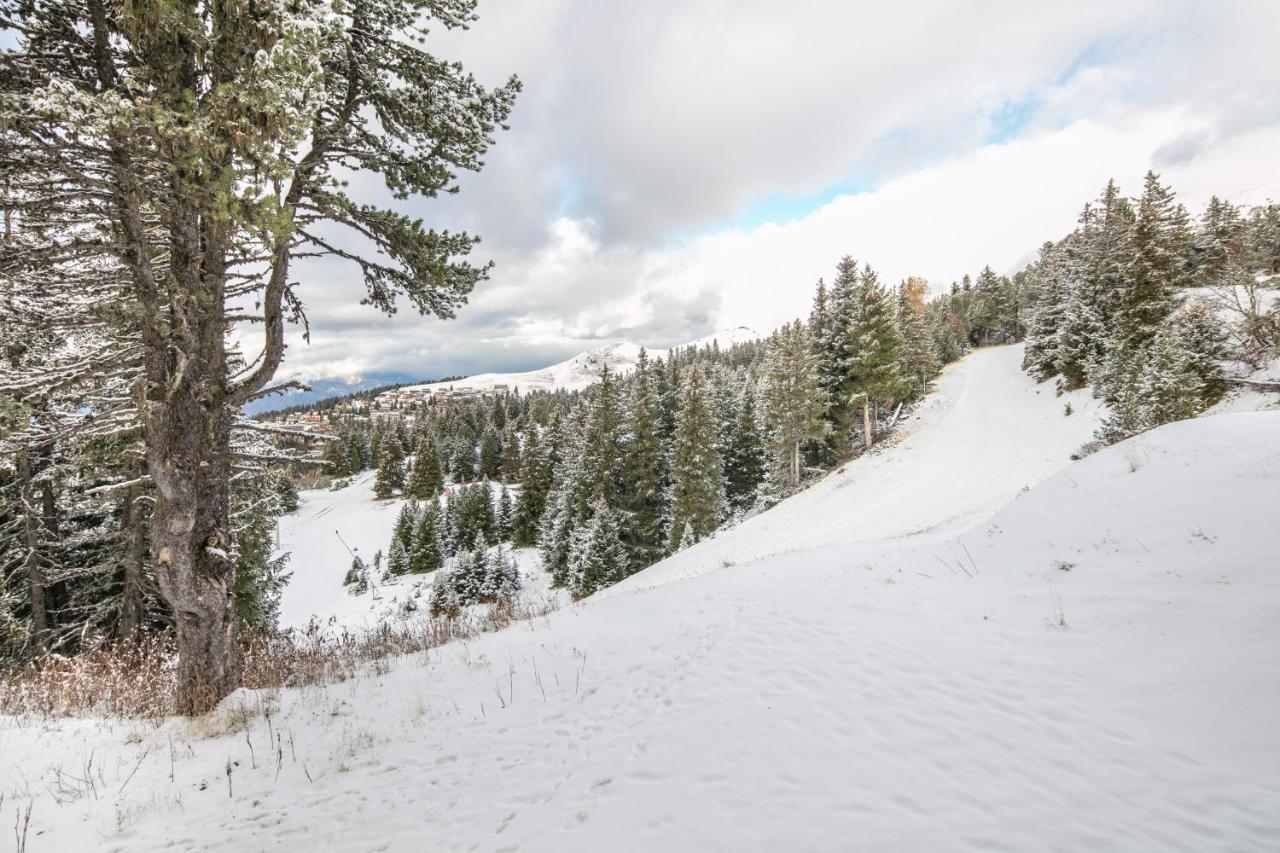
[678, 166]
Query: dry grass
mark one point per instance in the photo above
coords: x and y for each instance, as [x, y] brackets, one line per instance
[138, 679]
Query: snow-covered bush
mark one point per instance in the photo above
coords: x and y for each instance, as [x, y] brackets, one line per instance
[479, 576]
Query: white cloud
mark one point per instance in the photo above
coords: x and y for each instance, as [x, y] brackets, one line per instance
[992, 206]
[643, 121]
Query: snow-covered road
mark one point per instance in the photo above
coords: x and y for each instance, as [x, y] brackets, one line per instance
[1092, 667]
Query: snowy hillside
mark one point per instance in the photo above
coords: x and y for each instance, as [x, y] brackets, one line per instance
[963, 642]
[583, 369]
[328, 530]
[986, 431]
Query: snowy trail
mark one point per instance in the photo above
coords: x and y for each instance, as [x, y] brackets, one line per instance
[985, 432]
[824, 693]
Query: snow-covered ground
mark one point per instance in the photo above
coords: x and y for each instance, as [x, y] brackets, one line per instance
[583, 369]
[330, 528]
[917, 654]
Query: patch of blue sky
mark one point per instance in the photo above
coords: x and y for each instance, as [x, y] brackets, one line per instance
[1010, 119]
[780, 208]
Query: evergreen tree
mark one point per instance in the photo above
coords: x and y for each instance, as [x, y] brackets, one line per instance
[260, 577]
[1158, 267]
[427, 555]
[406, 519]
[919, 363]
[504, 516]
[511, 462]
[462, 461]
[338, 455]
[397, 557]
[597, 557]
[792, 397]
[357, 578]
[744, 454]
[1221, 242]
[490, 456]
[562, 513]
[837, 347]
[472, 520]
[426, 480]
[211, 144]
[644, 468]
[1104, 249]
[602, 446]
[390, 477]
[477, 576]
[1047, 291]
[1081, 334]
[874, 350]
[819, 315]
[536, 480]
[987, 309]
[697, 478]
[286, 492]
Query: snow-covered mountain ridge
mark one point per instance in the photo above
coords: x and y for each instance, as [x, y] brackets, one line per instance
[582, 369]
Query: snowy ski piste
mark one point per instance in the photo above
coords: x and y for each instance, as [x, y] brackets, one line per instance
[962, 641]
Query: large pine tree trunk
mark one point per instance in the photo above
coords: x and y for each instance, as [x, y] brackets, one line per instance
[188, 438]
[866, 422]
[189, 460]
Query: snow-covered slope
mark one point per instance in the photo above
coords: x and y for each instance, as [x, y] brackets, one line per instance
[986, 431]
[1092, 667]
[329, 529]
[583, 369]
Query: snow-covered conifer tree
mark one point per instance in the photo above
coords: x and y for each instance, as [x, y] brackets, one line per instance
[426, 479]
[597, 557]
[874, 350]
[793, 398]
[390, 476]
[697, 474]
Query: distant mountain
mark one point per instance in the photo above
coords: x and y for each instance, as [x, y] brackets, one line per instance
[584, 368]
[572, 374]
[726, 337]
[325, 388]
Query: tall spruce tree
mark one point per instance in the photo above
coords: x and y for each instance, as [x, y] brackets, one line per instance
[919, 362]
[537, 470]
[602, 446]
[1159, 265]
[426, 553]
[489, 458]
[697, 476]
[1047, 285]
[836, 348]
[597, 556]
[744, 452]
[426, 480]
[874, 350]
[390, 476]
[644, 468]
[793, 398]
